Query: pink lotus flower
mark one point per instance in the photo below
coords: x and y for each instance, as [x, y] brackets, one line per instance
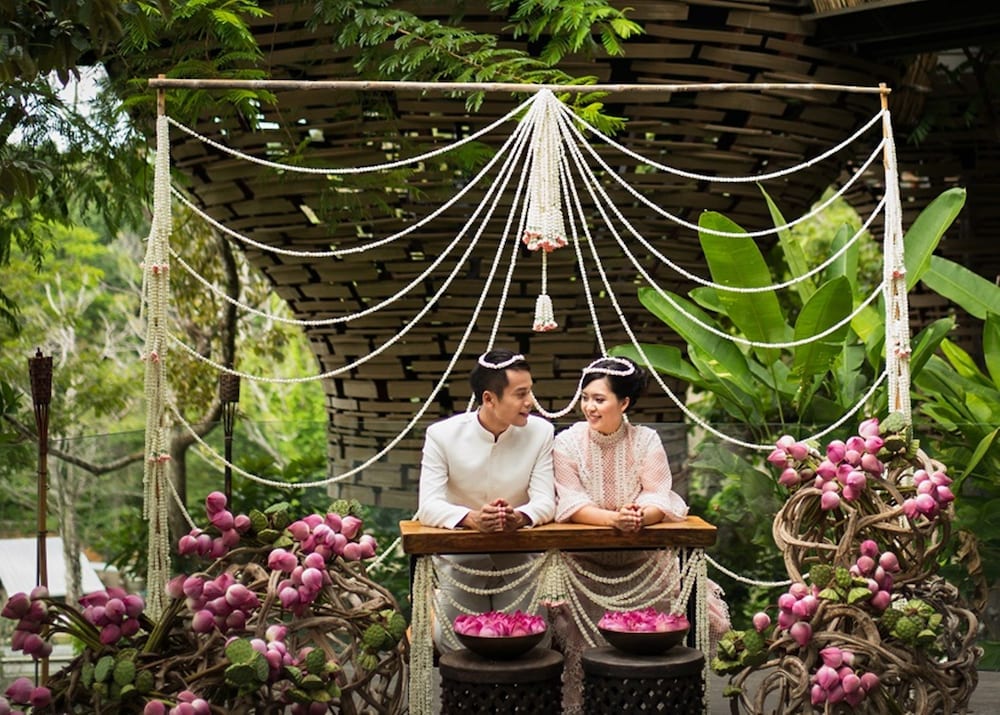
[497, 624]
[829, 500]
[869, 428]
[214, 503]
[20, 691]
[801, 633]
[643, 621]
[761, 621]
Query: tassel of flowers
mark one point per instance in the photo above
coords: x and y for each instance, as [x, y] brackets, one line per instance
[156, 289]
[545, 229]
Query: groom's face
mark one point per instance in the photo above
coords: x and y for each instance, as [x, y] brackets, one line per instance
[514, 405]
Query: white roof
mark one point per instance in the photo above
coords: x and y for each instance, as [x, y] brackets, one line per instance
[18, 567]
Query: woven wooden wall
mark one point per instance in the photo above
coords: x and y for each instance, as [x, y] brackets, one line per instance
[730, 133]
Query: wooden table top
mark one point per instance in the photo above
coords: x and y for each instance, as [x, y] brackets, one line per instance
[419, 540]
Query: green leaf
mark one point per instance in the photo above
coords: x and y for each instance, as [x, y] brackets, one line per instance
[961, 360]
[973, 293]
[794, 254]
[926, 231]
[984, 446]
[847, 262]
[727, 361]
[828, 306]
[737, 262]
[991, 346]
[667, 359]
[927, 342]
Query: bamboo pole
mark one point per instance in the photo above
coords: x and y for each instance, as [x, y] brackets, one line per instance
[278, 85]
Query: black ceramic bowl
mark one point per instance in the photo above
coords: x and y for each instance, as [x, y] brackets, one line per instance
[501, 647]
[644, 642]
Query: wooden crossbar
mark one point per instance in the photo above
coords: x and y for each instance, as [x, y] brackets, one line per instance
[420, 540]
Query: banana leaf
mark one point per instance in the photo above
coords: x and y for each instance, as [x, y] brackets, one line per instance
[829, 305]
[991, 347]
[738, 262]
[926, 231]
[795, 256]
[976, 295]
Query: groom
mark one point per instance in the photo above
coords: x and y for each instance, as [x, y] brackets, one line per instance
[491, 471]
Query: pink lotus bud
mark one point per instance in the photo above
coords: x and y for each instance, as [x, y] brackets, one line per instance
[889, 562]
[835, 451]
[800, 609]
[236, 621]
[322, 533]
[826, 469]
[314, 561]
[832, 656]
[186, 696]
[873, 444]
[313, 520]
[333, 521]
[817, 696]
[223, 520]
[853, 456]
[799, 589]
[829, 501]
[230, 538]
[926, 487]
[836, 694]
[41, 697]
[869, 428]
[785, 441]
[910, 508]
[129, 627]
[38, 593]
[881, 600]
[237, 595]
[219, 548]
[849, 493]
[281, 560]
[798, 451]
[17, 606]
[926, 504]
[201, 706]
[289, 597]
[352, 551]
[115, 610]
[945, 495]
[242, 524]
[857, 480]
[810, 603]
[111, 634]
[801, 632]
[20, 691]
[339, 542]
[325, 552]
[187, 545]
[778, 458]
[312, 578]
[789, 478]
[761, 621]
[847, 657]
[275, 632]
[133, 605]
[350, 526]
[830, 486]
[214, 503]
[869, 681]
[33, 645]
[940, 479]
[873, 585]
[155, 707]
[786, 619]
[866, 564]
[182, 709]
[872, 464]
[203, 544]
[175, 586]
[869, 548]
[367, 549]
[850, 683]
[827, 677]
[203, 622]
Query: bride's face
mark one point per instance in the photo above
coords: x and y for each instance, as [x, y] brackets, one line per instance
[601, 407]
